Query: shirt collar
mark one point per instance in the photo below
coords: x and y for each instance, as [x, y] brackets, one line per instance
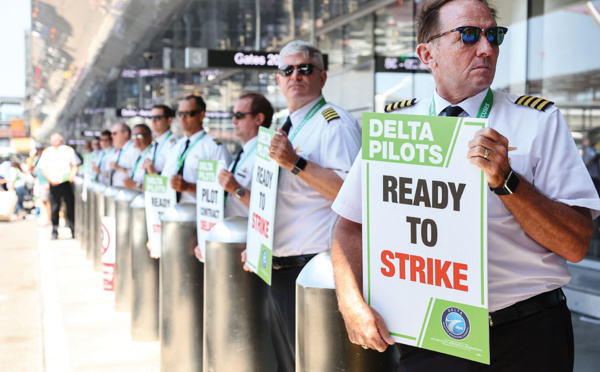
[162, 136]
[195, 135]
[248, 145]
[470, 105]
[300, 114]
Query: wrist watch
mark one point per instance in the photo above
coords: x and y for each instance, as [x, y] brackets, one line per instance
[299, 165]
[240, 192]
[510, 185]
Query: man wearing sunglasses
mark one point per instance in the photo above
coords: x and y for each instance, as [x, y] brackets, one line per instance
[142, 141]
[164, 139]
[251, 111]
[100, 166]
[315, 149]
[123, 156]
[540, 204]
[181, 165]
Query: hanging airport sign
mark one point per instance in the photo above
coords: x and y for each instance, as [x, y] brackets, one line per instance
[210, 199]
[263, 198]
[425, 232]
[204, 58]
[399, 64]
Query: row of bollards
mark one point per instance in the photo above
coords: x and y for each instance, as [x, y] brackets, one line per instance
[211, 316]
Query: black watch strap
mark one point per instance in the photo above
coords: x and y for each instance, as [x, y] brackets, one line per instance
[299, 165]
[510, 185]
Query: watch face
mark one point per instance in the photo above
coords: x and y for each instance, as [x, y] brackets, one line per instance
[240, 192]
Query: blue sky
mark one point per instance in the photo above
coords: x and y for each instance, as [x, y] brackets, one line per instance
[14, 21]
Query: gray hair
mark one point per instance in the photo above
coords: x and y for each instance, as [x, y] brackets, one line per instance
[311, 52]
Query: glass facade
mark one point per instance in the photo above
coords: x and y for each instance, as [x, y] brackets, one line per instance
[141, 61]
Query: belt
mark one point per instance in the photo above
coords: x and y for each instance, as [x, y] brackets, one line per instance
[527, 307]
[291, 261]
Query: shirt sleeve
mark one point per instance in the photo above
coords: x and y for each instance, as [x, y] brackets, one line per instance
[340, 145]
[348, 203]
[559, 171]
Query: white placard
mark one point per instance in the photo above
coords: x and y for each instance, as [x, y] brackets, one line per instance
[210, 199]
[158, 197]
[261, 216]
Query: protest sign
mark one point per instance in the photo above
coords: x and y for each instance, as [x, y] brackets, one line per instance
[425, 232]
[262, 207]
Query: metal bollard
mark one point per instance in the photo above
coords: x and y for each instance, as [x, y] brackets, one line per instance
[98, 207]
[236, 310]
[123, 243]
[181, 292]
[91, 222]
[144, 289]
[329, 349]
[86, 223]
[77, 187]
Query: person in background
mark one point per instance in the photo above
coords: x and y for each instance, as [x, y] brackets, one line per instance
[251, 111]
[16, 183]
[59, 165]
[123, 156]
[142, 141]
[181, 165]
[164, 139]
[101, 165]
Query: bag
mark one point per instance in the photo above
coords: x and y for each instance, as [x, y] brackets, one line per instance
[8, 203]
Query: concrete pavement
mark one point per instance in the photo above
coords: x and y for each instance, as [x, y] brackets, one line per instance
[55, 316]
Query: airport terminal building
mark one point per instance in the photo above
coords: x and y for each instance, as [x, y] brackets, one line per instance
[97, 62]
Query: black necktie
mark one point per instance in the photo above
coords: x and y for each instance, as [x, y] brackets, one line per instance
[237, 160]
[453, 110]
[235, 163]
[180, 171]
[287, 125]
[112, 171]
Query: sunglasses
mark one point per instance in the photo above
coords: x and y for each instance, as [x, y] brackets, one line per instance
[187, 114]
[303, 69]
[157, 117]
[470, 35]
[138, 136]
[240, 115]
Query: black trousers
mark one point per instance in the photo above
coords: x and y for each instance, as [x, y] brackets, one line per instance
[283, 316]
[540, 342]
[64, 191]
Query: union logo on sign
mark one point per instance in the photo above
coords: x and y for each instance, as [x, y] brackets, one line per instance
[456, 323]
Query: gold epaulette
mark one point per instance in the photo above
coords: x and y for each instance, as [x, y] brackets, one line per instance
[533, 102]
[217, 141]
[400, 104]
[330, 114]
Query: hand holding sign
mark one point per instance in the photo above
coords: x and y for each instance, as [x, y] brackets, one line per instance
[489, 151]
[282, 151]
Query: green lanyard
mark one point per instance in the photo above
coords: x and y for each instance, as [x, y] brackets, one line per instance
[310, 114]
[484, 109]
[137, 162]
[246, 157]
[161, 146]
[181, 158]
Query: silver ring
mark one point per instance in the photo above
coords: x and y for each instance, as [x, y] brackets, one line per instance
[487, 152]
[365, 347]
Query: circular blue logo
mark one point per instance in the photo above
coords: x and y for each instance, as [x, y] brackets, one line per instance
[264, 258]
[455, 323]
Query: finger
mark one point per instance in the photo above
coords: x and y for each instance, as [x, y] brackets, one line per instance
[243, 256]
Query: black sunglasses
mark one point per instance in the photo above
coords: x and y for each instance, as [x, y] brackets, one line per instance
[470, 34]
[303, 69]
[157, 117]
[240, 115]
[187, 114]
